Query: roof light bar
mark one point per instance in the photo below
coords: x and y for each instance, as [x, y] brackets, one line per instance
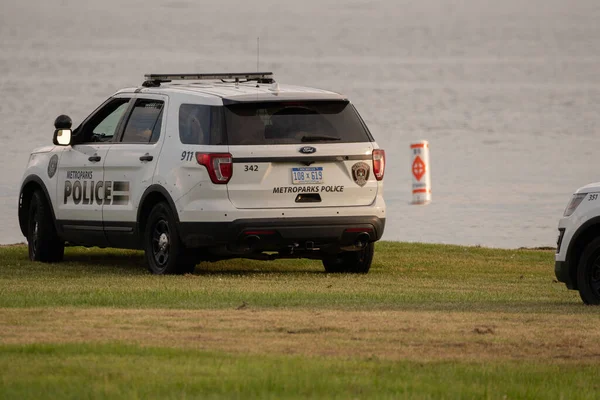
[157, 79]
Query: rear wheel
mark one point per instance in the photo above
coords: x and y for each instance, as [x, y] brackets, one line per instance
[42, 240]
[165, 254]
[353, 262]
[588, 273]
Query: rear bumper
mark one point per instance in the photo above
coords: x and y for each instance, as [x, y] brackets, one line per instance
[277, 232]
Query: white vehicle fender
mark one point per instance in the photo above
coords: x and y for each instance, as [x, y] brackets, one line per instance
[41, 172]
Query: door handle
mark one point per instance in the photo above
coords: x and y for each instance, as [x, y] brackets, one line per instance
[146, 157]
[94, 158]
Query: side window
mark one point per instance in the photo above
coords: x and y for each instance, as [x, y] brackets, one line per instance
[144, 122]
[201, 124]
[102, 125]
[106, 129]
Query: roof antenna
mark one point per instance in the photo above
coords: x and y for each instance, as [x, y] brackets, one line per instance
[257, 56]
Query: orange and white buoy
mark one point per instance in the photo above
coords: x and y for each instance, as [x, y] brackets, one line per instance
[420, 171]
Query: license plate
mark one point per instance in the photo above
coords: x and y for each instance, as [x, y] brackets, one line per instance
[307, 175]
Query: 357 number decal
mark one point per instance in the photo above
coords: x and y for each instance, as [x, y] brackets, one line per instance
[251, 168]
[593, 196]
[187, 156]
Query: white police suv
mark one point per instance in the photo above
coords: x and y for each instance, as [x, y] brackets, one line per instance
[195, 167]
[577, 260]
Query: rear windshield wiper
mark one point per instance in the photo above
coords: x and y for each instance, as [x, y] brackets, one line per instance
[318, 138]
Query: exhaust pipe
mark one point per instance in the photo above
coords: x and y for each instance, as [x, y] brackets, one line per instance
[251, 241]
[362, 240]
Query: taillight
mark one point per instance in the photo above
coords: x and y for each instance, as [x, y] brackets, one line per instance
[358, 230]
[378, 163]
[219, 166]
[260, 232]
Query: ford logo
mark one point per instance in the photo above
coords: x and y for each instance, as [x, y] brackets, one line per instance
[307, 150]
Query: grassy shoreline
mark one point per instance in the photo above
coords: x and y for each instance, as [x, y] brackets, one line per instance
[428, 321]
[403, 276]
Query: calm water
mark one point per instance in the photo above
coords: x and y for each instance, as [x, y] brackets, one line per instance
[507, 93]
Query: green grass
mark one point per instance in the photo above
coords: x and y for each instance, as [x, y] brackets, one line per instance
[403, 276]
[119, 371]
[525, 350]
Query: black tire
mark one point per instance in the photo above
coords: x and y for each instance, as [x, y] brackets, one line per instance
[353, 262]
[588, 273]
[42, 240]
[165, 253]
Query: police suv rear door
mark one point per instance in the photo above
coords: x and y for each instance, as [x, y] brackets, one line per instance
[129, 166]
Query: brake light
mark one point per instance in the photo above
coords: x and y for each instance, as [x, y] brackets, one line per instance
[260, 232]
[219, 166]
[378, 163]
[358, 230]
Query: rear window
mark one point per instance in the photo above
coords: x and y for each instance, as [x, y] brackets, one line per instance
[293, 123]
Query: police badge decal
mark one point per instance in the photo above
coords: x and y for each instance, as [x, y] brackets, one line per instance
[360, 173]
[52, 166]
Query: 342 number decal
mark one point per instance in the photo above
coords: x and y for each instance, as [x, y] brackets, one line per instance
[187, 156]
[251, 168]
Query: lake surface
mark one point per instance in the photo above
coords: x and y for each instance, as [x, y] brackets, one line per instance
[507, 93]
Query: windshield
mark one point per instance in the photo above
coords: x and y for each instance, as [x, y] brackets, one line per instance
[294, 123]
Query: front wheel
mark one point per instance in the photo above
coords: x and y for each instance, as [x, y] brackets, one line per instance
[165, 254]
[588, 273]
[353, 262]
[43, 242]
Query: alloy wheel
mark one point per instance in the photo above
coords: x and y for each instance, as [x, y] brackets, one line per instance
[161, 240]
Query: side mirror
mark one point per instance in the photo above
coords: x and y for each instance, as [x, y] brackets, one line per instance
[62, 137]
[62, 134]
